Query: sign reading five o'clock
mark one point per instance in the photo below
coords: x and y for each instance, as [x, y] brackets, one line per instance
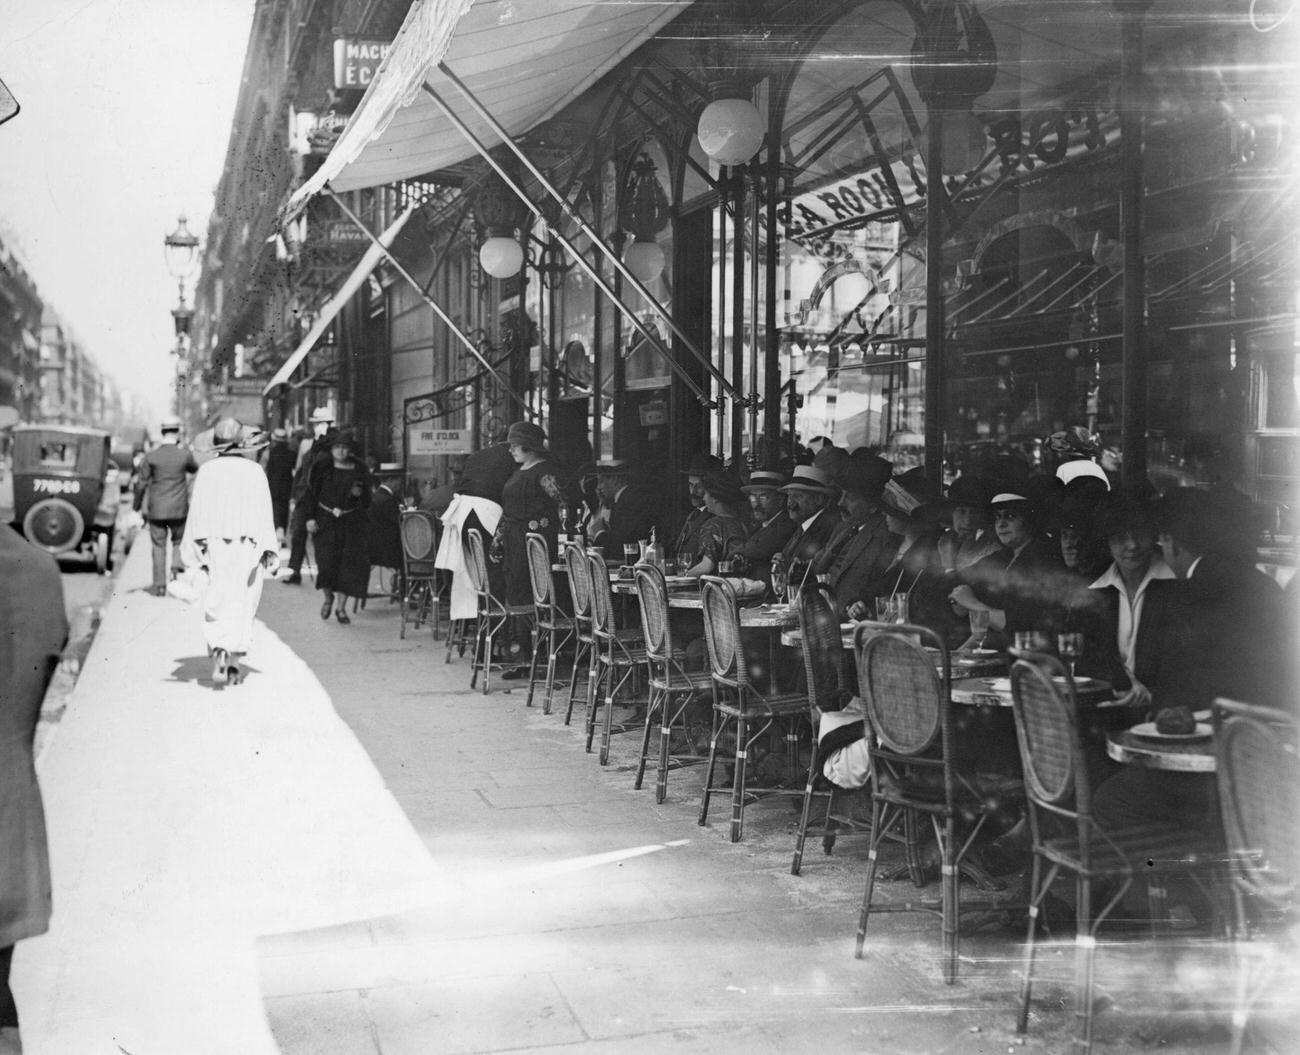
[439, 441]
[356, 60]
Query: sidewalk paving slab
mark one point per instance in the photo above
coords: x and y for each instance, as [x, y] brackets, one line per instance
[556, 909]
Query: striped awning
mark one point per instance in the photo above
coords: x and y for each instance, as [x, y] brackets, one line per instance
[525, 61]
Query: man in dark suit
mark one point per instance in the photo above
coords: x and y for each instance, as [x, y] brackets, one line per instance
[687, 543]
[164, 498]
[385, 514]
[311, 451]
[810, 503]
[862, 548]
[773, 526]
[279, 463]
[625, 516]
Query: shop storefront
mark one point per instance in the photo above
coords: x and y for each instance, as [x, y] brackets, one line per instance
[813, 287]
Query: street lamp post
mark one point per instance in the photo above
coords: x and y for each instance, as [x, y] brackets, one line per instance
[180, 252]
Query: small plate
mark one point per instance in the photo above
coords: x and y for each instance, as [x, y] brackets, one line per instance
[998, 684]
[1148, 731]
[1079, 683]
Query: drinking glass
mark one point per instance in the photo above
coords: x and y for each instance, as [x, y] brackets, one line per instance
[779, 581]
[726, 567]
[1024, 641]
[684, 563]
[1070, 646]
[792, 595]
[885, 609]
[631, 552]
[900, 608]
[979, 625]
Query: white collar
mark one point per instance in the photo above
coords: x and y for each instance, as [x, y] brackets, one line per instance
[1111, 576]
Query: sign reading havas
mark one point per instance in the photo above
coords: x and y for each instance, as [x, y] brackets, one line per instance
[356, 60]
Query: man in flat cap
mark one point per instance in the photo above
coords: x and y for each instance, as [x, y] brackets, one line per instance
[687, 543]
[862, 548]
[773, 527]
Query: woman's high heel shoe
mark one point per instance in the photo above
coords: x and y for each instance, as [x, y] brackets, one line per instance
[342, 616]
[327, 607]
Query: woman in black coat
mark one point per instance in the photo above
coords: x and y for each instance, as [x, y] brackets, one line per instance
[339, 496]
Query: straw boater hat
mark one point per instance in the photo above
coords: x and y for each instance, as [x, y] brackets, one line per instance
[908, 498]
[389, 469]
[1081, 468]
[764, 480]
[613, 467]
[322, 416]
[809, 478]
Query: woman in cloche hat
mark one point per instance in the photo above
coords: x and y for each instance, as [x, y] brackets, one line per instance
[339, 496]
[726, 530]
[530, 502]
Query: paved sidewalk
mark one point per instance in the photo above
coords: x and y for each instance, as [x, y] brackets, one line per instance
[555, 909]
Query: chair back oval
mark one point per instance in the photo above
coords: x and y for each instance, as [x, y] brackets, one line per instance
[905, 695]
[823, 649]
[1258, 774]
[1051, 753]
[602, 598]
[575, 559]
[652, 593]
[722, 631]
[539, 571]
[476, 561]
[419, 533]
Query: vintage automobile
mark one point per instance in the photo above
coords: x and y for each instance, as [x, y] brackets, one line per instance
[66, 490]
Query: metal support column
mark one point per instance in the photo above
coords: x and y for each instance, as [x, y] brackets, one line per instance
[1133, 373]
[934, 306]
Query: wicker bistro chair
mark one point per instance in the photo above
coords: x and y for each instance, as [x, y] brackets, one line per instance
[418, 588]
[1258, 774]
[575, 560]
[550, 623]
[493, 614]
[736, 703]
[830, 686]
[672, 686]
[1066, 837]
[909, 715]
[619, 655]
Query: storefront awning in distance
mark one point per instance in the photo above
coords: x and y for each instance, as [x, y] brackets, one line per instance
[351, 284]
[525, 61]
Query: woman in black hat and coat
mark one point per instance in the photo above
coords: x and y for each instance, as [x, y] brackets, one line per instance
[530, 502]
[339, 496]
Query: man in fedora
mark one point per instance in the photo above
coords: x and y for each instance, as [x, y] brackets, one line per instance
[164, 498]
[385, 515]
[625, 515]
[310, 451]
[687, 543]
[860, 551]
[810, 505]
[773, 526]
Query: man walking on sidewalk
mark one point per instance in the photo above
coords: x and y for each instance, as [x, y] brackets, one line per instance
[163, 497]
[33, 629]
[318, 447]
[230, 534]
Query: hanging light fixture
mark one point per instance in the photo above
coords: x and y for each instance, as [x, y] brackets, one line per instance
[645, 213]
[498, 214]
[954, 61]
[730, 131]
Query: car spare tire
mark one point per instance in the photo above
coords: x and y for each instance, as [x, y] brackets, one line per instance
[54, 524]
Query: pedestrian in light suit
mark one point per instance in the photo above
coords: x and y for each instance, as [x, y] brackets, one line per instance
[230, 534]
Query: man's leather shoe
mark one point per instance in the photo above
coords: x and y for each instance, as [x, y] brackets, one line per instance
[295, 577]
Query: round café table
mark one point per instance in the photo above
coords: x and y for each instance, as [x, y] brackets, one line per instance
[996, 692]
[1175, 756]
[985, 663]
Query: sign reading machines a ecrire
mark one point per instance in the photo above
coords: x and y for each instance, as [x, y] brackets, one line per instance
[440, 441]
[356, 60]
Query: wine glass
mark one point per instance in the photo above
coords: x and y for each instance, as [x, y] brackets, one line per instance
[979, 624]
[779, 581]
[1070, 646]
